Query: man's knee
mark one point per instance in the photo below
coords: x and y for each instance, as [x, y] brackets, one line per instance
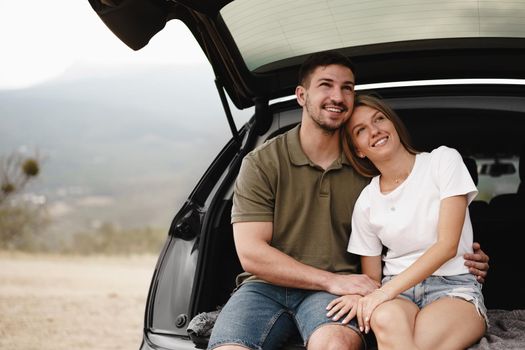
[335, 337]
[230, 347]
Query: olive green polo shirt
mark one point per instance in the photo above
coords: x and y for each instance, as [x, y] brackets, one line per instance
[311, 208]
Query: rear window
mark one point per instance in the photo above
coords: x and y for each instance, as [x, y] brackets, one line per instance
[269, 31]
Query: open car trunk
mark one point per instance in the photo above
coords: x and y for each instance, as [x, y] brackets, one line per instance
[255, 49]
[473, 119]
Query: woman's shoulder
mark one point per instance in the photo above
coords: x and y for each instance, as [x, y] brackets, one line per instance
[442, 158]
[373, 186]
[445, 152]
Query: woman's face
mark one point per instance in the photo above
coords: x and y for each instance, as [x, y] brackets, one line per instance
[372, 133]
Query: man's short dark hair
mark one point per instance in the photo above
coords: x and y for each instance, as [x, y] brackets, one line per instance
[322, 59]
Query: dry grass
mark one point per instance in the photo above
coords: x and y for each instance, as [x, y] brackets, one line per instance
[72, 302]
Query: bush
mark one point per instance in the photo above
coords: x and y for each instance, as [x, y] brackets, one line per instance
[16, 170]
[110, 240]
[20, 224]
[20, 220]
[23, 223]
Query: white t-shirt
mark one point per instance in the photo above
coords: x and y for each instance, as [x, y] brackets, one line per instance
[405, 220]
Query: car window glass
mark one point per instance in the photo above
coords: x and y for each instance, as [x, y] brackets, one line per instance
[497, 176]
[266, 31]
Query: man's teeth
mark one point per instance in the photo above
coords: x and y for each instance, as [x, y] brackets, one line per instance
[380, 142]
[334, 109]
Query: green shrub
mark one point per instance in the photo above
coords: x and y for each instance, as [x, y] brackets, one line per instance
[110, 240]
[20, 225]
[20, 221]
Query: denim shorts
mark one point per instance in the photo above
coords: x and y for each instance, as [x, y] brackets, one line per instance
[464, 286]
[264, 316]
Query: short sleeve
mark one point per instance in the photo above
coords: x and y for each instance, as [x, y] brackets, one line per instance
[364, 238]
[253, 196]
[451, 174]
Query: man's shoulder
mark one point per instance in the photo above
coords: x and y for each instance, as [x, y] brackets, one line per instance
[271, 148]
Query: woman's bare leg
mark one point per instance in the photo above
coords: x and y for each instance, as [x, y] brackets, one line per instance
[448, 323]
[393, 324]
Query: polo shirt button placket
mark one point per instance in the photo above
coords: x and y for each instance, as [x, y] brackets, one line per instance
[324, 185]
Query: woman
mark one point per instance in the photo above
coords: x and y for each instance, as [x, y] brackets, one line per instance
[416, 208]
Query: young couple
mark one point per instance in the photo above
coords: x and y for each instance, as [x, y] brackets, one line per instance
[292, 217]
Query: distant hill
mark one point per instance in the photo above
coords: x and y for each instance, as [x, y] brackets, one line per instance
[120, 144]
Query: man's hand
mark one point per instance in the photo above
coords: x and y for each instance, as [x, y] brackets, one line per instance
[352, 284]
[478, 262]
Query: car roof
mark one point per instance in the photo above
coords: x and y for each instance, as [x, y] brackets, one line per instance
[255, 47]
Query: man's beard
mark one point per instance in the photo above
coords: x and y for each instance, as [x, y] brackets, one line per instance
[327, 128]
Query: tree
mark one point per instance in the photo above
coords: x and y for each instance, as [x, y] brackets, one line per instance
[19, 221]
[16, 170]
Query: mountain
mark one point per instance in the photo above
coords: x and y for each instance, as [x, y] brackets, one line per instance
[124, 145]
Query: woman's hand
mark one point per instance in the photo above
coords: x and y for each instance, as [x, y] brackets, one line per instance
[367, 305]
[343, 306]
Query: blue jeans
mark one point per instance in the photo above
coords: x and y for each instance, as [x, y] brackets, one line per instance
[263, 316]
[464, 286]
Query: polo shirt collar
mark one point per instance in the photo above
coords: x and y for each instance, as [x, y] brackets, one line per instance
[296, 153]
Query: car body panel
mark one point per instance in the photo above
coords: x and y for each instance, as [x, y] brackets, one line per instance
[160, 342]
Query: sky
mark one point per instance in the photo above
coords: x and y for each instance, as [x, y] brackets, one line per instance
[42, 39]
[45, 40]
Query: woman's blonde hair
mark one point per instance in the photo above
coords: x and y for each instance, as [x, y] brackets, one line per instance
[363, 165]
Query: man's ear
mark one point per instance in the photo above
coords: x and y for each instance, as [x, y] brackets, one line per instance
[300, 95]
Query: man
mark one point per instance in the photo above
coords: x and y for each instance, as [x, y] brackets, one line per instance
[291, 214]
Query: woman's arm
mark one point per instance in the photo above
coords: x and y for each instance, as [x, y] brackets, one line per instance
[450, 223]
[371, 266]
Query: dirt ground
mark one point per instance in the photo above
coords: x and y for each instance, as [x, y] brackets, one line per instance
[64, 302]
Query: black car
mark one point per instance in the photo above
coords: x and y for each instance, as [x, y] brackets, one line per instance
[453, 70]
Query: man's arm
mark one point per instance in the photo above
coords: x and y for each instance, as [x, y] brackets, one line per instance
[258, 257]
[478, 262]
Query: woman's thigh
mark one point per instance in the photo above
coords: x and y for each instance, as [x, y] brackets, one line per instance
[448, 323]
